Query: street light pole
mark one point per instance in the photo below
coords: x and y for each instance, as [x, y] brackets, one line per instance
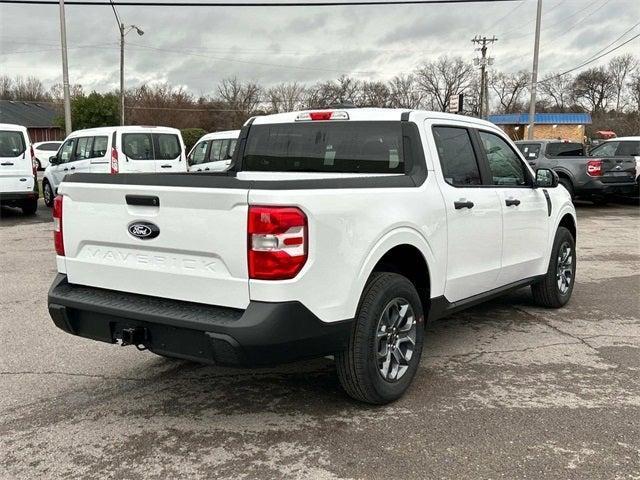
[65, 70]
[534, 73]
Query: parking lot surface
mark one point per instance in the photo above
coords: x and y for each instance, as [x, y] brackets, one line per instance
[505, 390]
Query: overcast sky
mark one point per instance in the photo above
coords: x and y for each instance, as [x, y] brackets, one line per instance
[196, 47]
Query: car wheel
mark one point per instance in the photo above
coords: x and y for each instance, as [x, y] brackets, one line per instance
[386, 342]
[30, 207]
[566, 183]
[47, 193]
[554, 290]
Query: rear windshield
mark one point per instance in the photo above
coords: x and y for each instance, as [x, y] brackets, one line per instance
[529, 150]
[362, 147]
[11, 143]
[565, 149]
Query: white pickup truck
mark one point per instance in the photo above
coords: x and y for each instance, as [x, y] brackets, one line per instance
[336, 232]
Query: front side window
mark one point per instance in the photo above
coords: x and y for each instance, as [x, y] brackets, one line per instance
[199, 153]
[457, 158]
[344, 146]
[66, 151]
[167, 146]
[504, 164]
[531, 151]
[11, 144]
[100, 145]
[83, 151]
[607, 149]
[137, 146]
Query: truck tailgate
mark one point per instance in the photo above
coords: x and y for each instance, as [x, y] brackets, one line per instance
[199, 254]
[618, 170]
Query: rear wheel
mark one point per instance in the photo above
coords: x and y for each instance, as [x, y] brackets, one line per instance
[554, 290]
[47, 193]
[566, 183]
[386, 343]
[30, 207]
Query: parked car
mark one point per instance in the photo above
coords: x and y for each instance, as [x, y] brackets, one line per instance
[621, 147]
[18, 180]
[115, 150]
[339, 232]
[42, 152]
[584, 176]
[213, 152]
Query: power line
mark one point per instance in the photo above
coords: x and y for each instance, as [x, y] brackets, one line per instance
[590, 61]
[615, 41]
[130, 3]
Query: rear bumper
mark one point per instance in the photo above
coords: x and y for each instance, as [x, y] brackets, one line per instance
[263, 334]
[16, 198]
[597, 187]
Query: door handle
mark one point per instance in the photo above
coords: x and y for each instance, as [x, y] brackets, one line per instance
[206, 169]
[6, 164]
[65, 169]
[199, 170]
[511, 202]
[72, 168]
[463, 204]
[165, 166]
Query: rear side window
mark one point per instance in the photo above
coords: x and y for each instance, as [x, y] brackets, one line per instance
[100, 145]
[11, 144]
[628, 149]
[137, 146]
[531, 151]
[565, 149]
[167, 146]
[457, 158]
[83, 150]
[359, 147]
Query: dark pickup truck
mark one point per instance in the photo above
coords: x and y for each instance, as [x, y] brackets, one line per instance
[584, 175]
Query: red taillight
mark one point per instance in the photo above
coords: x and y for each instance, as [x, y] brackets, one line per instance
[34, 164]
[57, 225]
[277, 242]
[594, 168]
[114, 161]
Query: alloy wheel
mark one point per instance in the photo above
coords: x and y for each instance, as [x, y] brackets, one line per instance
[564, 273]
[395, 339]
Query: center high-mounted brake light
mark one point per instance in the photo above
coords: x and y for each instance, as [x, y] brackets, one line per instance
[322, 115]
[114, 160]
[58, 241]
[276, 242]
[594, 168]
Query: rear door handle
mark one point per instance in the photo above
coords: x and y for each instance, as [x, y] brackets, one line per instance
[206, 169]
[165, 166]
[463, 204]
[6, 164]
[66, 169]
[72, 168]
[511, 202]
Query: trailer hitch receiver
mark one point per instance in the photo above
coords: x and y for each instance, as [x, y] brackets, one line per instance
[138, 336]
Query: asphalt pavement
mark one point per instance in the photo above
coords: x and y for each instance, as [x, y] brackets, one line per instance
[505, 390]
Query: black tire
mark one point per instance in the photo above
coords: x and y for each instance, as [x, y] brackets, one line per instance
[29, 207]
[600, 201]
[47, 193]
[547, 292]
[38, 165]
[566, 183]
[358, 366]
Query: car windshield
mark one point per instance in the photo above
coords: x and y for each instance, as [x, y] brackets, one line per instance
[565, 149]
[11, 143]
[344, 146]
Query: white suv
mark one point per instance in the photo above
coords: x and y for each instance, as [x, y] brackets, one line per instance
[213, 152]
[18, 180]
[129, 149]
[335, 232]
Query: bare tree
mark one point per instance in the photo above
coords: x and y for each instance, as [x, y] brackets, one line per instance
[56, 92]
[634, 92]
[286, 97]
[404, 92]
[323, 94]
[441, 79]
[594, 89]
[6, 87]
[241, 96]
[557, 90]
[29, 89]
[509, 87]
[375, 94]
[620, 68]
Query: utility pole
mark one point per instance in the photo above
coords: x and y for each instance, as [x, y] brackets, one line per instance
[65, 70]
[534, 73]
[483, 62]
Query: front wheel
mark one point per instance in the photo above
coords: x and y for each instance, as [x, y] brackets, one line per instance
[47, 193]
[386, 342]
[554, 290]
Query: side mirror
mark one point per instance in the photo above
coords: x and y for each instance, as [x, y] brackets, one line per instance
[546, 178]
[53, 160]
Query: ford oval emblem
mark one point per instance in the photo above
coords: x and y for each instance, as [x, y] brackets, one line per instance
[144, 230]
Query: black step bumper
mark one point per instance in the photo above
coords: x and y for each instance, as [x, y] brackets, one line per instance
[263, 334]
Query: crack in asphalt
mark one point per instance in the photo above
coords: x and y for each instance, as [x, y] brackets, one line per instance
[488, 352]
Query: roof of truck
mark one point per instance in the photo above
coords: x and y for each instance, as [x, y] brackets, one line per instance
[373, 114]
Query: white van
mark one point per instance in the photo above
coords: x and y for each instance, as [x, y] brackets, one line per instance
[213, 152]
[130, 149]
[18, 181]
